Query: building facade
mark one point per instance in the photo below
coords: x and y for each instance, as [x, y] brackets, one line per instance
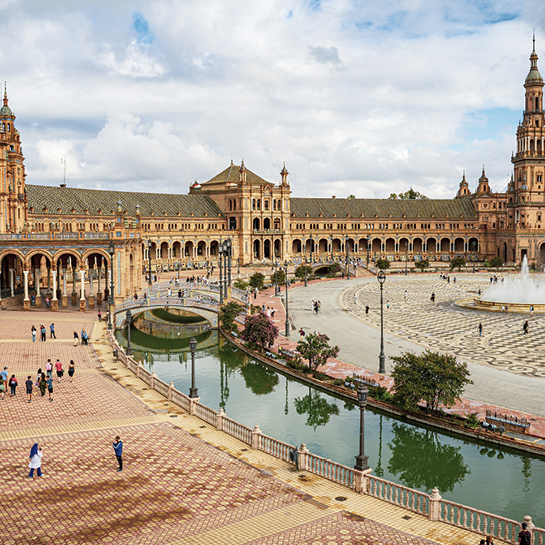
[57, 240]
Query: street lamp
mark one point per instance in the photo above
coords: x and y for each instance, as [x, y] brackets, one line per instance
[220, 253]
[150, 281]
[367, 244]
[474, 244]
[361, 459]
[406, 255]
[111, 250]
[225, 254]
[381, 277]
[346, 249]
[275, 278]
[193, 346]
[229, 246]
[287, 333]
[129, 318]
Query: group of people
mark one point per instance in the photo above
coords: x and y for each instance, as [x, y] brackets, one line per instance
[84, 337]
[43, 382]
[316, 305]
[43, 333]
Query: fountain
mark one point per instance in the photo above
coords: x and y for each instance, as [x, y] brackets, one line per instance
[517, 293]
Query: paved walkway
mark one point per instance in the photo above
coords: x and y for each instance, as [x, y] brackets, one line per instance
[495, 388]
[183, 482]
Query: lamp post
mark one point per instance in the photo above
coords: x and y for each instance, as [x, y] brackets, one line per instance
[287, 332]
[346, 250]
[111, 250]
[229, 247]
[361, 459]
[381, 277]
[275, 278]
[129, 318]
[150, 281]
[193, 346]
[220, 253]
[311, 250]
[406, 255]
[238, 267]
[367, 244]
[474, 244]
[225, 252]
[305, 264]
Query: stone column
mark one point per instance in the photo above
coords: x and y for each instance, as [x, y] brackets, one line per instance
[37, 278]
[11, 282]
[435, 505]
[54, 300]
[82, 298]
[99, 292]
[74, 291]
[91, 294]
[64, 302]
[26, 300]
[48, 278]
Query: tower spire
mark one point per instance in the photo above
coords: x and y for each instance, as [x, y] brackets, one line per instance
[5, 94]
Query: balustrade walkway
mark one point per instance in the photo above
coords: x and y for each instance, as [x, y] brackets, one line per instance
[183, 481]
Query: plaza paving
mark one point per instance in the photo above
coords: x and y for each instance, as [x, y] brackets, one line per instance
[183, 482]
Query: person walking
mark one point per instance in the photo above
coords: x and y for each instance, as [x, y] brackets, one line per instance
[71, 370]
[13, 385]
[480, 330]
[118, 448]
[302, 334]
[4, 376]
[50, 388]
[49, 368]
[525, 537]
[432, 298]
[99, 316]
[2, 390]
[33, 331]
[366, 310]
[35, 458]
[42, 332]
[52, 331]
[42, 384]
[60, 371]
[29, 387]
[526, 328]
[531, 311]
[76, 338]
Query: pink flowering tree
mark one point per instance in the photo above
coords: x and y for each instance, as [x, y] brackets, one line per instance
[259, 330]
[316, 349]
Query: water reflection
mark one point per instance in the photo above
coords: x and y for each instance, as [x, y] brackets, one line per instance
[316, 407]
[259, 379]
[432, 464]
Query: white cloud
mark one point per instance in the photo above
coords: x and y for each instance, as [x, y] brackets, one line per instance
[356, 97]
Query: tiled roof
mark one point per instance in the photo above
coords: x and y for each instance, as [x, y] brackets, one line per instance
[383, 208]
[232, 175]
[66, 198]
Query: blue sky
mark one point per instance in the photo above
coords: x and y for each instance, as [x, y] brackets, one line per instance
[357, 97]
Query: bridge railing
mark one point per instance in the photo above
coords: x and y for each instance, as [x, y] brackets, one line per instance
[431, 505]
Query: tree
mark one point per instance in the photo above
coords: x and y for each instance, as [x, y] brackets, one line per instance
[315, 348]
[351, 197]
[257, 280]
[382, 264]
[410, 195]
[496, 262]
[240, 284]
[457, 262]
[334, 268]
[300, 271]
[319, 410]
[280, 274]
[259, 330]
[432, 377]
[228, 314]
[422, 265]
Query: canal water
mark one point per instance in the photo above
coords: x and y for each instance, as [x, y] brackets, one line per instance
[499, 481]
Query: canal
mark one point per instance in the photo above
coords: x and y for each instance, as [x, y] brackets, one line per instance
[500, 481]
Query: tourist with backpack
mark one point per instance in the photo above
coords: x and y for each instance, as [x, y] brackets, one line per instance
[525, 537]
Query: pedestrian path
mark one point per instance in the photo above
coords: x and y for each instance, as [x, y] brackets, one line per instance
[183, 481]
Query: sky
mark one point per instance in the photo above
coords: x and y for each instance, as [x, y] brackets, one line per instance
[357, 97]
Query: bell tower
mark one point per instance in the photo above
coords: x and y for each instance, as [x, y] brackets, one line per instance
[13, 198]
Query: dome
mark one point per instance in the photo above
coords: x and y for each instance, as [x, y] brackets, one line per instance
[534, 76]
[5, 111]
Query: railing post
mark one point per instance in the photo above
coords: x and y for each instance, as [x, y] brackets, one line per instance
[152, 380]
[435, 505]
[530, 525]
[170, 388]
[192, 404]
[361, 482]
[219, 419]
[256, 438]
[302, 452]
[139, 369]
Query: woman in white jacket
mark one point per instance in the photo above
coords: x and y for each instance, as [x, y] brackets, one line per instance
[35, 460]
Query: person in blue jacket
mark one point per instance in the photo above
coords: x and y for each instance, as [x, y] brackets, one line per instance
[118, 448]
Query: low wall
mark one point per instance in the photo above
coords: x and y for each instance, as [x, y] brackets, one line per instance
[431, 505]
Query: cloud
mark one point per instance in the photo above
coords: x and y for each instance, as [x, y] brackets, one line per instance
[160, 94]
[325, 55]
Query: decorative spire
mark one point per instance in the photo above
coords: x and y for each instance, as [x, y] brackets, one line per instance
[5, 94]
[533, 76]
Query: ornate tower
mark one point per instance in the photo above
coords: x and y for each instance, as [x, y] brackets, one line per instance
[13, 199]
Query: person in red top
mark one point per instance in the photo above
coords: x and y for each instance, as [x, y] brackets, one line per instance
[58, 367]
